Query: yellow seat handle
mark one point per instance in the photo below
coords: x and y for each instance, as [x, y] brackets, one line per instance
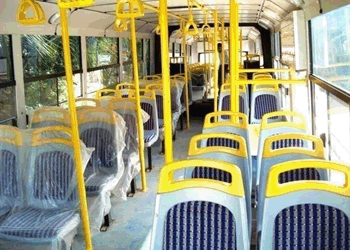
[11, 135]
[274, 188]
[241, 151]
[121, 13]
[210, 119]
[120, 25]
[123, 86]
[68, 4]
[299, 122]
[99, 93]
[152, 77]
[317, 150]
[37, 140]
[168, 184]
[88, 100]
[24, 7]
[122, 103]
[154, 86]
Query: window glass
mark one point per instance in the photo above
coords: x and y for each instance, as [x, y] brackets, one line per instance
[6, 73]
[148, 57]
[102, 51]
[126, 56]
[43, 68]
[140, 49]
[7, 103]
[330, 47]
[43, 55]
[102, 78]
[128, 72]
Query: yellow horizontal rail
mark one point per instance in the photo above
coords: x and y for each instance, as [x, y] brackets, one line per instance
[155, 9]
[271, 81]
[264, 70]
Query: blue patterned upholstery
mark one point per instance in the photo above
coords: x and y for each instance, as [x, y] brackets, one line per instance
[94, 183]
[264, 104]
[53, 176]
[312, 226]
[226, 106]
[149, 136]
[301, 174]
[99, 138]
[149, 125]
[159, 101]
[286, 143]
[37, 223]
[199, 225]
[8, 174]
[131, 133]
[211, 142]
[213, 174]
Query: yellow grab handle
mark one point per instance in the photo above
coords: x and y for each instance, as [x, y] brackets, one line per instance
[154, 86]
[152, 77]
[299, 123]
[99, 93]
[241, 151]
[158, 30]
[85, 116]
[122, 103]
[96, 102]
[121, 13]
[242, 121]
[123, 86]
[121, 25]
[317, 149]
[24, 7]
[265, 87]
[68, 4]
[274, 188]
[206, 29]
[11, 135]
[37, 140]
[193, 31]
[168, 184]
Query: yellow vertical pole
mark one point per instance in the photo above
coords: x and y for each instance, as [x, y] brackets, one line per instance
[163, 21]
[186, 81]
[222, 33]
[233, 57]
[241, 50]
[215, 40]
[237, 52]
[75, 129]
[138, 99]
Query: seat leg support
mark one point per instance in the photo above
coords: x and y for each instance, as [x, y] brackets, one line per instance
[182, 122]
[133, 188]
[106, 223]
[149, 150]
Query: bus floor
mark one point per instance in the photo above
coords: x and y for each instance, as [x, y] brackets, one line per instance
[133, 218]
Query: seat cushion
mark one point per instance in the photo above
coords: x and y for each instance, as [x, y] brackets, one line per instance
[264, 104]
[38, 224]
[149, 136]
[211, 173]
[95, 183]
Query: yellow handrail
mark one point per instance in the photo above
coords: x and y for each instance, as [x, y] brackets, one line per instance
[163, 22]
[186, 79]
[74, 126]
[299, 123]
[137, 91]
[215, 61]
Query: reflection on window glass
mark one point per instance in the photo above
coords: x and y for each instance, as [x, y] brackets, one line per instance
[102, 51]
[128, 72]
[126, 56]
[330, 47]
[7, 103]
[6, 73]
[140, 49]
[49, 92]
[148, 57]
[103, 78]
[43, 55]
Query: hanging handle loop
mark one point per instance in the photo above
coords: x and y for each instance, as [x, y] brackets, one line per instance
[121, 25]
[137, 9]
[24, 7]
[188, 30]
[206, 27]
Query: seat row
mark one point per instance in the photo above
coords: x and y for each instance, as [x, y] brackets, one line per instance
[38, 188]
[205, 202]
[261, 100]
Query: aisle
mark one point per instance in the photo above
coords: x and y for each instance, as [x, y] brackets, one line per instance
[134, 216]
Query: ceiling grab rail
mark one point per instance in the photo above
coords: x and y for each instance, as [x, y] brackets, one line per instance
[121, 13]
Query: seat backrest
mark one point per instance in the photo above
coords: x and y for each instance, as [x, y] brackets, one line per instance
[306, 214]
[202, 213]
[265, 99]
[152, 78]
[105, 96]
[225, 100]
[289, 122]
[50, 116]
[236, 124]
[11, 165]
[99, 129]
[125, 85]
[149, 105]
[87, 103]
[225, 147]
[288, 147]
[50, 177]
